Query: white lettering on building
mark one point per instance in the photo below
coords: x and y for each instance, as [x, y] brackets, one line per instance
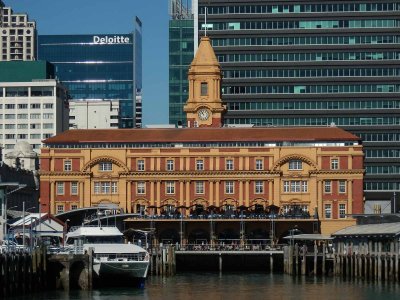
[110, 40]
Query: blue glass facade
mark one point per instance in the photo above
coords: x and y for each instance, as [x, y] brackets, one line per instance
[98, 67]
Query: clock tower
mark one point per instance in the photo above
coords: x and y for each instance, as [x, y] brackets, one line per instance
[204, 107]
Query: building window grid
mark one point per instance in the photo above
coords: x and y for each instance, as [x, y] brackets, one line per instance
[295, 164]
[342, 186]
[60, 208]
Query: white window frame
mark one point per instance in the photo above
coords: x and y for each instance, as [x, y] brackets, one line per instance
[141, 188]
[140, 165]
[114, 187]
[105, 187]
[229, 164]
[97, 187]
[342, 186]
[74, 187]
[229, 187]
[60, 188]
[170, 165]
[199, 187]
[170, 187]
[286, 186]
[67, 165]
[304, 186]
[259, 187]
[74, 206]
[335, 164]
[199, 165]
[259, 164]
[295, 164]
[342, 210]
[105, 166]
[60, 208]
[328, 187]
[328, 211]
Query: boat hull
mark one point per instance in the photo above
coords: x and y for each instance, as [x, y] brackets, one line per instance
[132, 269]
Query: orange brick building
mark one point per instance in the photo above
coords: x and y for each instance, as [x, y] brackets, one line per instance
[307, 170]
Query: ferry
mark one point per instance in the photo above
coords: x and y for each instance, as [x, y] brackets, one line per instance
[112, 258]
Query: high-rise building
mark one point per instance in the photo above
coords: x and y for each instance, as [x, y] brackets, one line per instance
[100, 67]
[314, 63]
[181, 45]
[17, 35]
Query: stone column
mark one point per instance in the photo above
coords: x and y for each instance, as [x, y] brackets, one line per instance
[319, 199]
[128, 197]
[187, 192]
[52, 200]
[270, 192]
[81, 194]
[211, 193]
[247, 193]
[158, 193]
[350, 196]
[181, 193]
[217, 201]
[152, 193]
[241, 192]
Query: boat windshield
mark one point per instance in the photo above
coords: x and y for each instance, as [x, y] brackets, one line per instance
[98, 239]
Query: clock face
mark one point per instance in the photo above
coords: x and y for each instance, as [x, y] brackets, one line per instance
[203, 114]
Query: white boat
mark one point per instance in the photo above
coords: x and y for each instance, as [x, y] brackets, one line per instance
[112, 258]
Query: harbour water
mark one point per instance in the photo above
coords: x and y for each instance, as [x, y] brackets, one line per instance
[230, 286]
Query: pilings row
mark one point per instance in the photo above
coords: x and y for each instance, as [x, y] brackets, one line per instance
[163, 261]
[22, 273]
[362, 262]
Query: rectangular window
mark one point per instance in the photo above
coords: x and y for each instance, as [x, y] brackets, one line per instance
[74, 206]
[114, 187]
[60, 188]
[259, 164]
[105, 166]
[304, 186]
[328, 187]
[286, 186]
[105, 187]
[199, 165]
[328, 211]
[229, 186]
[170, 186]
[74, 188]
[229, 164]
[334, 163]
[259, 187]
[60, 208]
[204, 89]
[342, 186]
[342, 210]
[140, 165]
[199, 187]
[67, 165]
[97, 187]
[141, 188]
[295, 164]
[170, 165]
[295, 186]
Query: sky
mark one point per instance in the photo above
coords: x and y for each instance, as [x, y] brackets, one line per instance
[100, 16]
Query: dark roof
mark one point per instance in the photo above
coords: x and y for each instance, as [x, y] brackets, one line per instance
[369, 230]
[187, 135]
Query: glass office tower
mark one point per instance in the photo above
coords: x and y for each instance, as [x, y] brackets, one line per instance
[181, 46]
[315, 63]
[99, 67]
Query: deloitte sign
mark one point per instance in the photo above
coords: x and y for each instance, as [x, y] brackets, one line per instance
[116, 39]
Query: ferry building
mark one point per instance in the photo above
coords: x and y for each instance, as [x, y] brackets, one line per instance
[301, 172]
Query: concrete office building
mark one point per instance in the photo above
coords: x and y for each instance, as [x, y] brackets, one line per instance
[93, 114]
[315, 63]
[31, 111]
[17, 35]
[100, 67]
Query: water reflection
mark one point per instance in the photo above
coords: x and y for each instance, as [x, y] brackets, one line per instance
[210, 286]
